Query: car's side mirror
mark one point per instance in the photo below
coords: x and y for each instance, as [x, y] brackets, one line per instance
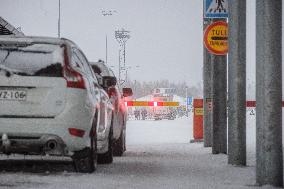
[127, 92]
[111, 91]
[109, 81]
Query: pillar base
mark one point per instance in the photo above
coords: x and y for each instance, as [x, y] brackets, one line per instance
[196, 140]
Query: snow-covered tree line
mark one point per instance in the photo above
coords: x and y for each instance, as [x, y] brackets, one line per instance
[144, 88]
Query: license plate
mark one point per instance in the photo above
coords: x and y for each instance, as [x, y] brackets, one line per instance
[13, 94]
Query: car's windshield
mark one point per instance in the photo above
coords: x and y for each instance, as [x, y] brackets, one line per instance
[105, 71]
[32, 60]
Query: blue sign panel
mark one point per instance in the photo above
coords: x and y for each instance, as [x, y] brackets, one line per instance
[215, 8]
[189, 100]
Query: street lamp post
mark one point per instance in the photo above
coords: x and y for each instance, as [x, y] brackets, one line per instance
[59, 18]
[122, 36]
[186, 106]
[107, 13]
[106, 48]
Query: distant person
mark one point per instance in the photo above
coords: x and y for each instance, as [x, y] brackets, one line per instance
[137, 114]
[144, 114]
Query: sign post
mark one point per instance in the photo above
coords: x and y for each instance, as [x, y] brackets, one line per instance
[214, 61]
[219, 134]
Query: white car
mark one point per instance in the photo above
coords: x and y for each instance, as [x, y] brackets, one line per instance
[50, 101]
[105, 139]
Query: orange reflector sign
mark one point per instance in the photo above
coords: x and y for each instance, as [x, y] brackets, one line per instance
[150, 103]
[140, 103]
[170, 103]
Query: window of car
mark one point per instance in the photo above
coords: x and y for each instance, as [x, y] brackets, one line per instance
[105, 70]
[85, 64]
[76, 63]
[32, 59]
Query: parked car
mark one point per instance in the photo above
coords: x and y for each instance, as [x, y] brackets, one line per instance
[50, 101]
[120, 110]
[105, 140]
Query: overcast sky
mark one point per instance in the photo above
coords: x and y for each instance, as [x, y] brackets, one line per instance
[166, 35]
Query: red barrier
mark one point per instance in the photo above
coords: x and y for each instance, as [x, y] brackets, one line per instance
[198, 120]
[198, 117]
[252, 103]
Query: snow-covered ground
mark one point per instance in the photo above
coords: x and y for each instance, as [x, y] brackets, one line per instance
[158, 156]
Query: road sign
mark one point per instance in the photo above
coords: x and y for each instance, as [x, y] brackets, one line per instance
[215, 8]
[198, 111]
[189, 100]
[216, 38]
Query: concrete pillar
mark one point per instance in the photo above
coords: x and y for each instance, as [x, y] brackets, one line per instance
[269, 157]
[219, 135]
[237, 83]
[207, 91]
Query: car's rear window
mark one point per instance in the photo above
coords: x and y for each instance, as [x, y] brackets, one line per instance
[32, 60]
[105, 71]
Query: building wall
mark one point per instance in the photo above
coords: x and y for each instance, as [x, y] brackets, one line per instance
[8, 29]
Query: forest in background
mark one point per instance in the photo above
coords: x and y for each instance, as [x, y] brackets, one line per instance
[144, 88]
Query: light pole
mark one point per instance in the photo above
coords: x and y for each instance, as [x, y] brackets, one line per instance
[186, 94]
[59, 18]
[107, 13]
[106, 48]
[121, 36]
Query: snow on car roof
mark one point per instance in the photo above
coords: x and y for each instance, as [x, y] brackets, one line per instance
[4, 40]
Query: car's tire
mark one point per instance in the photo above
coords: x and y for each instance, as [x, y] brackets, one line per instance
[119, 145]
[85, 161]
[107, 158]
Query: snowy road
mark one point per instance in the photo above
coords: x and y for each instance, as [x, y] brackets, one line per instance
[159, 156]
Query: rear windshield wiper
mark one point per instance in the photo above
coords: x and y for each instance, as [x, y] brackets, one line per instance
[10, 71]
[7, 71]
[4, 68]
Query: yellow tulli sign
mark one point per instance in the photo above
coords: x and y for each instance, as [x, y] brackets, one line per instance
[216, 38]
[198, 111]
